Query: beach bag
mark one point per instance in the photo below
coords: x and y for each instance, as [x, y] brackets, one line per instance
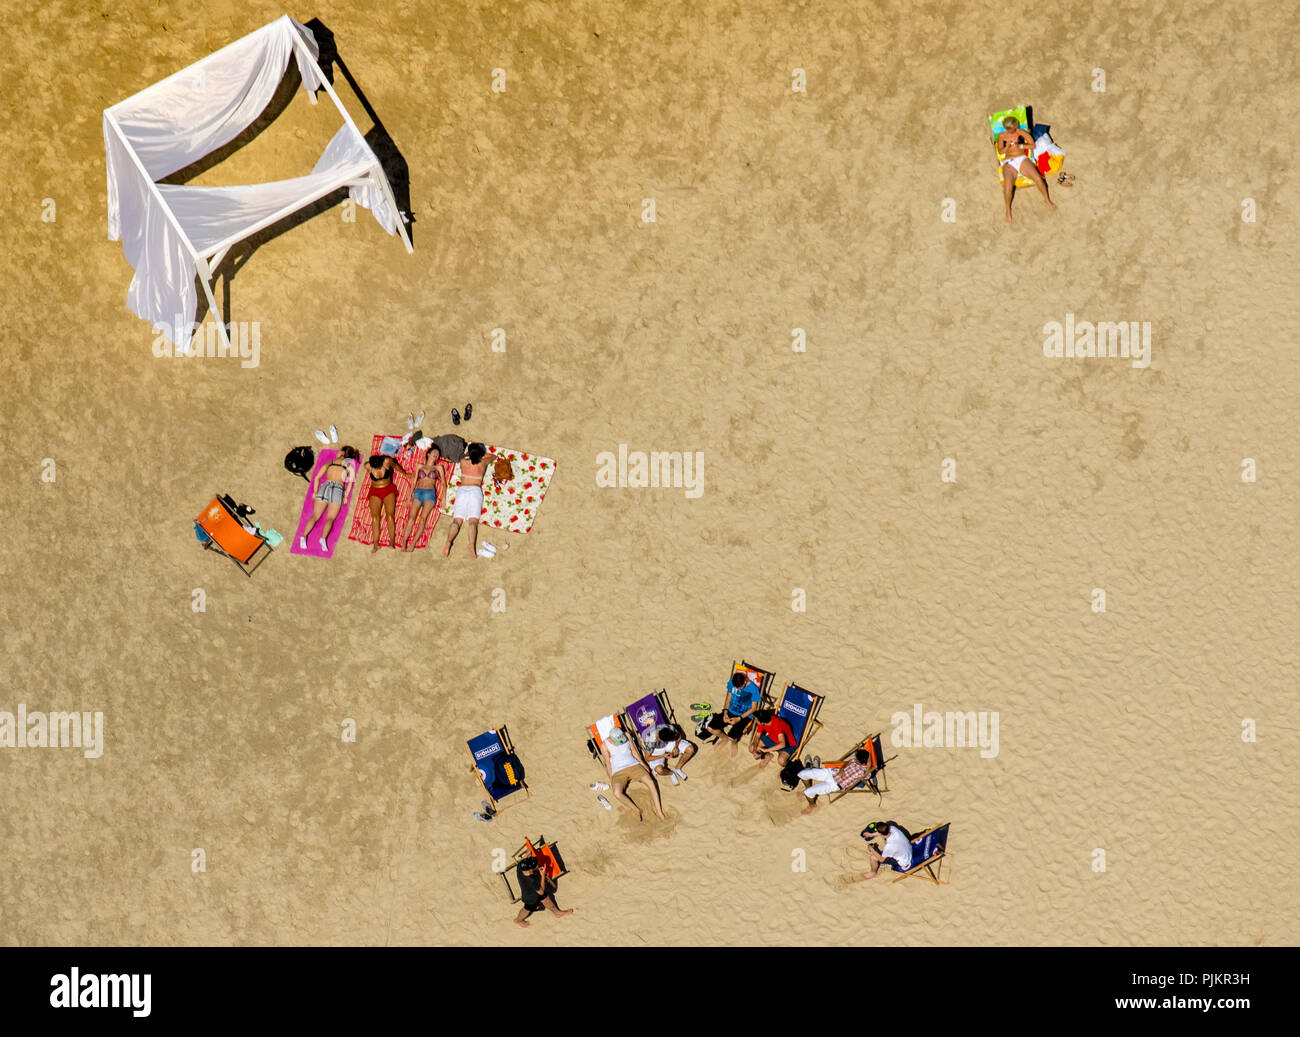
[502, 471]
[299, 461]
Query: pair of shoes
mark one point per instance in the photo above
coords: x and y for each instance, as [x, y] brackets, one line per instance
[816, 762]
[455, 414]
[327, 440]
[414, 421]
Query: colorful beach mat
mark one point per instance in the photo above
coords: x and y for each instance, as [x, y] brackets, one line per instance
[308, 506]
[510, 506]
[363, 525]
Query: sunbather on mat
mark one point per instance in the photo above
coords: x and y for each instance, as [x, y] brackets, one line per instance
[331, 492]
[1016, 147]
[383, 495]
[427, 496]
[624, 764]
[469, 497]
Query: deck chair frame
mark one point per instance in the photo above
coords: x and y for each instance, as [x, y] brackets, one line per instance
[932, 866]
[876, 782]
[508, 748]
[531, 850]
[811, 726]
[210, 543]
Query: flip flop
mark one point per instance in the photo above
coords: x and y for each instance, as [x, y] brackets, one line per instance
[487, 807]
[482, 817]
[410, 420]
[700, 716]
[322, 437]
[604, 802]
[455, 416]
[419, 419]
[701, 706]
[469, 411]
[334, 434]
[599, 786]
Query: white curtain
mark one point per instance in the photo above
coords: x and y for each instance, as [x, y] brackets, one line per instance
[179, 120]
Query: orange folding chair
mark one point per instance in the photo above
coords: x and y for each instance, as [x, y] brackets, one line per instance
[548, 860]
[227, 535]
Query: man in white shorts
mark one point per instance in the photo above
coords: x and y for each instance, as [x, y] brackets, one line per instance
[668, 750]
[468, 506]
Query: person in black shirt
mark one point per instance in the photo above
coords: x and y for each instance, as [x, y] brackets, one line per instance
[536, 890]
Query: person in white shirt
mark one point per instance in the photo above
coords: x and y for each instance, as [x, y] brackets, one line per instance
[624, 764]
[668, 750]
[896, 851]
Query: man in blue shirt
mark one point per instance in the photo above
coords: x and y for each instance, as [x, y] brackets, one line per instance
[737, 714]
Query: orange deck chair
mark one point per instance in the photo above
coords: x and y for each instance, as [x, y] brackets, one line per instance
[227, 535]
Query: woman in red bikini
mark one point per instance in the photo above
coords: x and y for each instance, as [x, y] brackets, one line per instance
[383, 495]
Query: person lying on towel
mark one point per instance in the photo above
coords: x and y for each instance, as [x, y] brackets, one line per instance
[1016, 148]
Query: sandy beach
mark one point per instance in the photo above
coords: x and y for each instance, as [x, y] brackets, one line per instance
[822, 479]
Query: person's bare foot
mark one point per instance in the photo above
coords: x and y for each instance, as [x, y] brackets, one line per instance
[374, 547]
[524, 925]
[566, 911]
[1008, 216]
[735, 749]
[809, 808]
[870, 874]
[446, 549]
[763, 761]
[1052, 206]
[660, 814]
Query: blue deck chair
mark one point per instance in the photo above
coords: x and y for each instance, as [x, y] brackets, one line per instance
[497, 765]
[799, 708]
[874, 780]
[929, 851]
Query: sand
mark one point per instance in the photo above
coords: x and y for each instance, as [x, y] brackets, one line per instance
[775, 210]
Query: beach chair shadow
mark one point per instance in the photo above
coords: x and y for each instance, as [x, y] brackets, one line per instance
[498, 766]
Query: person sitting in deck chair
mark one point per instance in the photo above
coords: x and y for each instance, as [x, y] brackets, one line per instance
[825, 780]
[623, 764]
[734, 720]
[897, 850]
[668, 750]
[775, 738]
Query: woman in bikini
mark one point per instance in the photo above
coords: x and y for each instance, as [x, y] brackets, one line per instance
[469, 497]
[383, 495]
[428, 483]
[1015, 147]
[331, 492]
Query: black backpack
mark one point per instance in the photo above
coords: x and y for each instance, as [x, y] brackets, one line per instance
[300, 460]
